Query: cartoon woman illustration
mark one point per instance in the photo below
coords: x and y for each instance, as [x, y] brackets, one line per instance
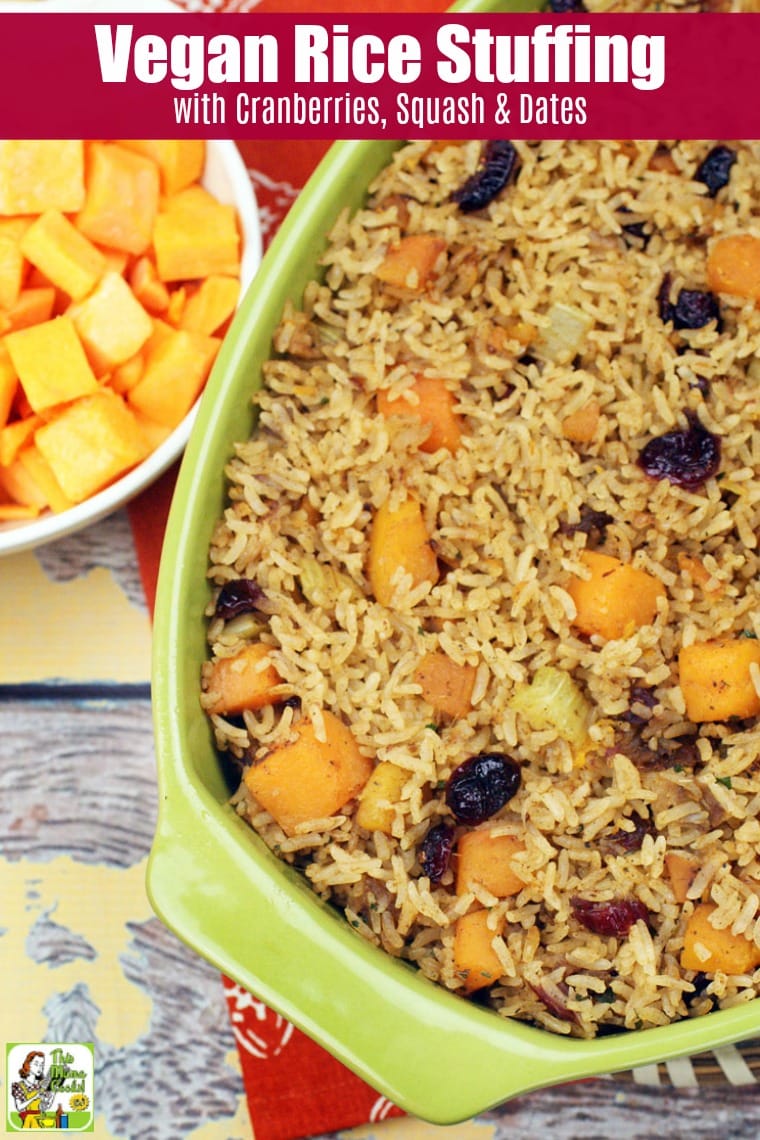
[31, 1092]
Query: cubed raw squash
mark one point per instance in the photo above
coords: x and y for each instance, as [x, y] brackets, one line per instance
[14, 435]
[65, 256]
[195, 236]
[378, 797]
[126, 375]
[8, 384]
[111, 322]
[41, 174]
[90, 443]
[211, 304]
[154, 434]
[180, 161]
[122, 198]
[33, 306]
[707, 950]
[246, 681]
[485, 859]
[40, 471]
[475, 959]
[17, 483]
[176, 367]
[307, 777]
[11, 271]
[148, 287]
[51, 363]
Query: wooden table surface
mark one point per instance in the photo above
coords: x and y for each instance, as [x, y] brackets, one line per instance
[83, 958]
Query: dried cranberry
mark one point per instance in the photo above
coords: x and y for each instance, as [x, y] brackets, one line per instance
[612, 919]
[592, 522]
[479, 787]
[694, 310]
[240, 596]
[622, 842]
[664, 307]
[435, 851]
[497, 168]
[702, 385]
[637, 231]
[639, 696]
[685, 457]
[715, 169]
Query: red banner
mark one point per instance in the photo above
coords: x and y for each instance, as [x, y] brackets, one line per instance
[365, 76]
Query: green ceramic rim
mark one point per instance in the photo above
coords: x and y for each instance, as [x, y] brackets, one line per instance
[214, 883]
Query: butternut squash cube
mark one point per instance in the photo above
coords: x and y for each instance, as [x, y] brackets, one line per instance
[11, 271]
[195, 236]
[34, 306]
[245, 681]
[176, 306]
[432, 403]
[681, 871]
[41, 174]
[176, 368]
[65, 256]
[21, 487]
[126, 375]
[708, 950]
[8, 384]
[16, 227]
[40, 471]
[51, 363]
[410, 263]
[111, 322]
[733, 266]
[486, 860]
[378, 796]
[16, 512]
[475, 959]
[580, 426]
[14, 435]
[616, 599]
[148, 287]
[154, 434]
[399, 542]
[445, 685]
[180, 161]
[211, 304]
[716, 679]
[122, 198]
[308, 778]
[116, 260]
[90, 443]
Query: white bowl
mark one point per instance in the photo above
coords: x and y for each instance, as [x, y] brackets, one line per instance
[226, 177]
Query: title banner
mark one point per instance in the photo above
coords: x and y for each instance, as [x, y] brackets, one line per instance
[359, 76]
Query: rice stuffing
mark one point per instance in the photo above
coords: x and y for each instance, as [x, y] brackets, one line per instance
[484, 636]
